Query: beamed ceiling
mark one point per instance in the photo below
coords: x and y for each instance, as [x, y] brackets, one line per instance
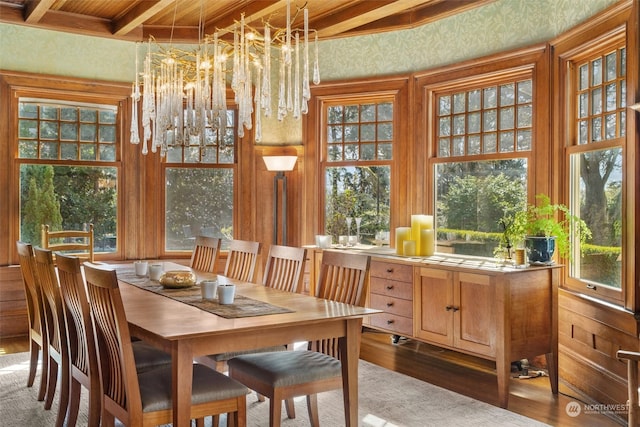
[179, 20]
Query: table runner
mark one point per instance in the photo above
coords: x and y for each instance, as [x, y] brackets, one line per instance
[241, 307]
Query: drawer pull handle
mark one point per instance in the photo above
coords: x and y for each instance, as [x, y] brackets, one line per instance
[389, 287]
[389, 304]
[452, 308]
[389, 322]
[449, 308]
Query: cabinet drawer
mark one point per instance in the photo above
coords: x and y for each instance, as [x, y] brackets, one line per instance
[391, 288]
[388, 270]
[391, 322]
[401, 307]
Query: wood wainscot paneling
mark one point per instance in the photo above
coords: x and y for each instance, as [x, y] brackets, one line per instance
[589, 335]
[13, 304]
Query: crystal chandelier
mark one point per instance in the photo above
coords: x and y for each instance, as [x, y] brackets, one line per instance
[183, 93]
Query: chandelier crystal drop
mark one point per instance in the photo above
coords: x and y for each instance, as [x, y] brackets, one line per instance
[183, 93]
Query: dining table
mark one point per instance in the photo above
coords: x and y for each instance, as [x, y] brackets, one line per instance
[190, 327]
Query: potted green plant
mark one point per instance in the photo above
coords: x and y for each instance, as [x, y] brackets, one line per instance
[545, 227]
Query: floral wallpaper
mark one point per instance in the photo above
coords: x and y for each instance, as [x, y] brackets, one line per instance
[498, 26]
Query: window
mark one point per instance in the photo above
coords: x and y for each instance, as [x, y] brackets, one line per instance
[199, 188]
[68, 163]
[596, 174]
[483, 139]
[358, 142]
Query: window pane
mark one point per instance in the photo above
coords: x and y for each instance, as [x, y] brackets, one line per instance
[471, 198]
[209, 212]
[357, 192]
[597, 199]
[368, 113]
[70, 198]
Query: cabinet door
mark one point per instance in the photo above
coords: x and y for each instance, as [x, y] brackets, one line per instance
[475, 313]
[433, 306]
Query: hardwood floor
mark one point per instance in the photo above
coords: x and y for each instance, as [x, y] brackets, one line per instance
[476, 378]
[461, 373]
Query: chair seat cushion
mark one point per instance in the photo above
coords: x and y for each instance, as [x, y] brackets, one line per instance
[286, 368]
[223, 357]
[208, 386]
[148, 357]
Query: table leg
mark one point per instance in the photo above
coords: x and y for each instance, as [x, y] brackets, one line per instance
[350, 354]
[182, 376]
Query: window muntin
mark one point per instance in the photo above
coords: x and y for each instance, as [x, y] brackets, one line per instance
[483, 141]
[56, 130]
[485, 120]
[601, 97]
[67, 153]
[359, 132]
[199, 188]
[216, 147]
[596, 172]
[358, 151]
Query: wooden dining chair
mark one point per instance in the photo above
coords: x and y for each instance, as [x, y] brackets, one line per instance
[284, 270]
[35, 313]
[283, 375]
[73, 242]
[632, 358]
[56, 332]
[241, 260]
[205, 254]
[82, 348]
[141, 399]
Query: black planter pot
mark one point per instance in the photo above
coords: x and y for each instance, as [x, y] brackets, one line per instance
[540, 249]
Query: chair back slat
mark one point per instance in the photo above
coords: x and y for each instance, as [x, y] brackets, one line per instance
[54, 317]
[113, 341]
[32, 289]
[72, 242]
[342, 278]
[77, 315]
[241, 260]
[284, 268]
[205, 254]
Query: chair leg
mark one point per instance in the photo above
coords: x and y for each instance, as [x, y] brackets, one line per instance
[64, 392]
[44, 375]
[312, 407]
[52, 381]
[275, 412]
[290, 407]
[74, 405]
[33, 363]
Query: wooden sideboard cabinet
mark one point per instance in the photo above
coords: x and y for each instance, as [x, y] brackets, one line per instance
[503, 315]
[391, 290]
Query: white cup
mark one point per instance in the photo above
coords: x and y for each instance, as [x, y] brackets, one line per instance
[208, 289]
[141, 268]
[155, 271]
[226, 293]
[323, 242]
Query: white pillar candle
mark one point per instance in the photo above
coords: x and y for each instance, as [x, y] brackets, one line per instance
[409, 247]
[427, 242]
[402, 234]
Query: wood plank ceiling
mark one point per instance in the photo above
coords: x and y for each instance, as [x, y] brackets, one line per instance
[184, 20]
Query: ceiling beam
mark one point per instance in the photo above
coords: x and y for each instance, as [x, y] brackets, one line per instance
[361, 14]
[138, 15]
[36, 9]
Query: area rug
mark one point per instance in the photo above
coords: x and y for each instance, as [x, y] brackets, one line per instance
[386, 399]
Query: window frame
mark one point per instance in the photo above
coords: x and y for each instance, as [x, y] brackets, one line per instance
[16, 85]
[513, 66]
[234, 166]
[587, 50]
